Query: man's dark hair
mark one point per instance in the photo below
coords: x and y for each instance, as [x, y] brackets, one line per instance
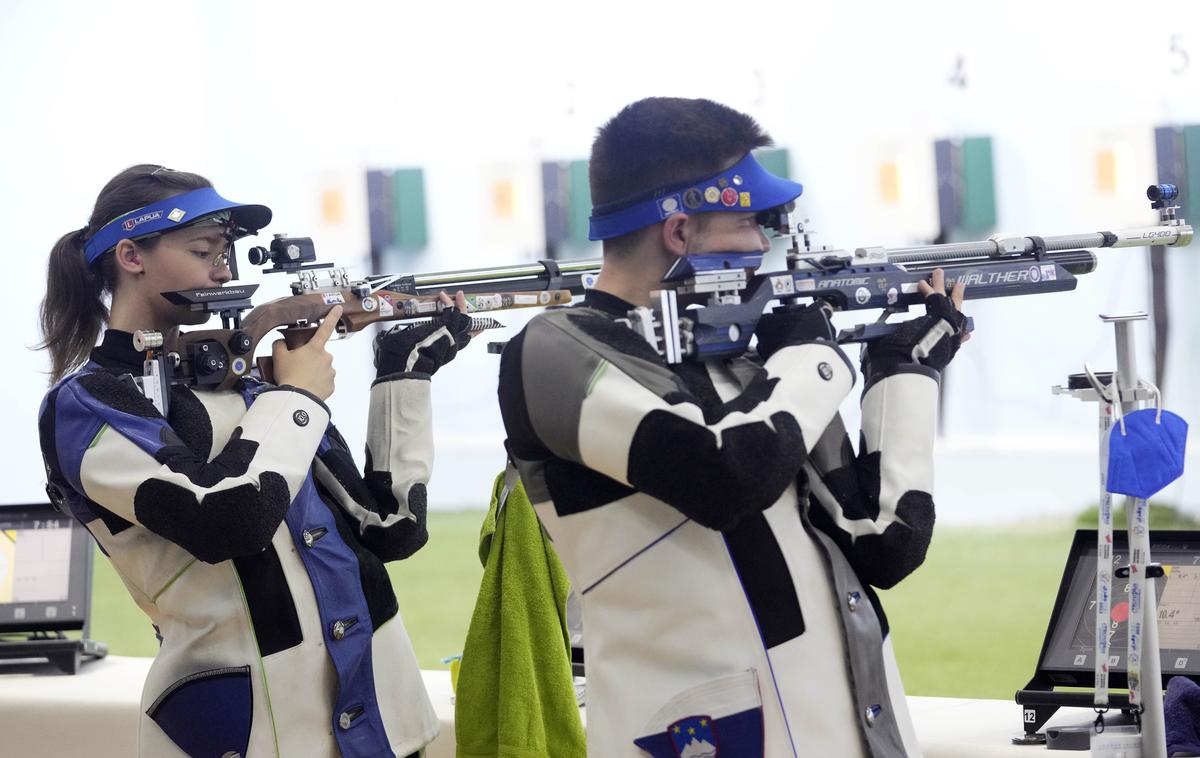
[664, 141]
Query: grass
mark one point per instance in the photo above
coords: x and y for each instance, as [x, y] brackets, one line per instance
[969, 623]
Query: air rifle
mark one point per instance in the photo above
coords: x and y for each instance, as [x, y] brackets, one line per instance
[714, 302]
[219, 358]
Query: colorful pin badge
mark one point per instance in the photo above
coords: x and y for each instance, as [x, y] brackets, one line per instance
[744, 199]
[737, 179]
[729, 197]
[668, 205]
[692, 198]
[723, 182]
[712, 194]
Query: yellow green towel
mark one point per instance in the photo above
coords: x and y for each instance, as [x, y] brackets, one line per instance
[516, 697]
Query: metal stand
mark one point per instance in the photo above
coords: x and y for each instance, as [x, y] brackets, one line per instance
[1132, 396]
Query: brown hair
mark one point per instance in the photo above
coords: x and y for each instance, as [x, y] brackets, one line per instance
[75, 308]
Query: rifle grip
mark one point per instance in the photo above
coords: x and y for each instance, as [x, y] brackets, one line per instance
[297, 336]
[266, 368]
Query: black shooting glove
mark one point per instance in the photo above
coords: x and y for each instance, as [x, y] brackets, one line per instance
[776, 330]
[422, 349]
[931, 340]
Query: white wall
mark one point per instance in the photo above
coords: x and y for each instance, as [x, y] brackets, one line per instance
[278, 102]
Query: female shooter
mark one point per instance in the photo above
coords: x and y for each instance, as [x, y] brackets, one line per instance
[239, 523]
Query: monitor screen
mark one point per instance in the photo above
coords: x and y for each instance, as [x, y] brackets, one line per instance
[1068, 656]
[45, 569]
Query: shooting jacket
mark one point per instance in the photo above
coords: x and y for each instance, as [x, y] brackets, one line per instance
[242, 527]
[724, 536]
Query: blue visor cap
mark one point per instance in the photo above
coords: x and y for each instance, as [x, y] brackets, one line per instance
[744, 187]
[175, 213]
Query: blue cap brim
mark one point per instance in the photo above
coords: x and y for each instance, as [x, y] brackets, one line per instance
[175, 212]
[745, 187]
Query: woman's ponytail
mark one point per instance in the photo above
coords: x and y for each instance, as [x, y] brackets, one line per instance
[74, 309]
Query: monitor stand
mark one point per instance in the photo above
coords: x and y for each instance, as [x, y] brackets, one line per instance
[66, 654]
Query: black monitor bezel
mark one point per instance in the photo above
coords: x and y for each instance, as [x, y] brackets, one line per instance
[1084, 540]
[80, 583]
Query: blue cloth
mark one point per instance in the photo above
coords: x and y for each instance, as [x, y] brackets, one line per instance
[1181, 711]
[1146, 455]
[175, 212]
[744, 187]
[739, 735]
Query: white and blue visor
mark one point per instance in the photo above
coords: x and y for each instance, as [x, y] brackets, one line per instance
[744, 187]
[173, 213]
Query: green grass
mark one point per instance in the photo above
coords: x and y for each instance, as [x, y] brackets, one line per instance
[969, 623]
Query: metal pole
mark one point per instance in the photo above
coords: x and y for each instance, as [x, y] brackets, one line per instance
[1154, 734]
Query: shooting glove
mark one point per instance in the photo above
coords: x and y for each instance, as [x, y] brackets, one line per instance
[931, 340]
[422, 349]
[776, 330]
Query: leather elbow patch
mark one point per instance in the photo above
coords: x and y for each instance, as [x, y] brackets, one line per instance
[886, 558]
[221, 525]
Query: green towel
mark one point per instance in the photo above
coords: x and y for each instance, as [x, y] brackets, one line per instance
[516, 695]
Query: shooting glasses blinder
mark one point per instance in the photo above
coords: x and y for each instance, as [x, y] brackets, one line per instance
[744, 187]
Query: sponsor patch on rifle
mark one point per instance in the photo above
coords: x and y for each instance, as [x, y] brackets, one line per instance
[1048, 273]
[385, 306]
[783, 285]
[333, 298]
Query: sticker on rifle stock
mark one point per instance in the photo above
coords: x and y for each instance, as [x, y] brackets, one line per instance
[369, 303]
[783, 285]
[485, 302]
[805, 285]
[525, 299]
[1048, 272]
[385, 306]
[333, 298]
[892, 296]
[862, 295]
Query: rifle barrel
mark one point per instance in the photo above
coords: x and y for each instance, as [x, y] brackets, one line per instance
[525, 271]
[1168, 236]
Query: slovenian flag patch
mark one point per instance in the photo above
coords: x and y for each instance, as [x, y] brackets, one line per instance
[718, 719]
